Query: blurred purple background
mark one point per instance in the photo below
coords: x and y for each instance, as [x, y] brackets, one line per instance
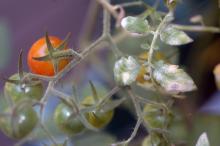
[27, 20]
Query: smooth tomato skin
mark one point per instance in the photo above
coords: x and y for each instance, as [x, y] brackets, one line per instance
[67, 124]
[17, 94]
[154, 139]
[25, 120]
[39, 49]
[97, 119]
[155, 118]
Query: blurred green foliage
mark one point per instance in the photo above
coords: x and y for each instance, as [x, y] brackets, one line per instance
[5, 46]
[206, 123]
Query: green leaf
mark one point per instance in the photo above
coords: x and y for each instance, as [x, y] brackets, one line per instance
[173, 36]
[146, 46]
[203, 140]
[126, 70]
[172, 79]
[135, 25]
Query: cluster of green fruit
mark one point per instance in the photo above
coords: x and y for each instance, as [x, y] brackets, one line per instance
[20, 118]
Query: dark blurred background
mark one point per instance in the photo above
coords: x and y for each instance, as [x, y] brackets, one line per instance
[23, 22]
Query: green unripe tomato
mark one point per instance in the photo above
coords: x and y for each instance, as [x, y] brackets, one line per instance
[67, 124]
[171, 4]
[156, 117]
[97, 118]
[22, 122]
[154, 139]
[19, 92]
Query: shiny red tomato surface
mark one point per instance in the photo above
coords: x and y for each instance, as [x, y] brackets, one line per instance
[39, 49]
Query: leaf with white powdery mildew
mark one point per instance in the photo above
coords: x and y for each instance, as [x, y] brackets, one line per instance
[175, 37]
[172, 79]
[126, 70]
[135, 25]
[146, 46]
[203, 140]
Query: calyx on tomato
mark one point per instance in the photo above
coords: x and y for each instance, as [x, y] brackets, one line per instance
[49, 55]
[16, 88]
[97, 118]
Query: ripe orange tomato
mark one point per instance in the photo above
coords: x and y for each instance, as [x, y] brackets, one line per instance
[39, 49]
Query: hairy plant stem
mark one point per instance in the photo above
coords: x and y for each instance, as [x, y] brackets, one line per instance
[80, 112]
[53, 140]
[153, 43]
[66, 98]
[106, 18]
[25, 139]
[70, 66]
[84, 110]
[74, 62]
[114, 47]
[197, 28]
[131, 4]
[139, 118]
[108, 7]
[76, 108]
[74, 102]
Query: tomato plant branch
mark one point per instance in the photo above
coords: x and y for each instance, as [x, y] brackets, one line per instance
[66, 98]
[106, 17]
[53, 140]
[197, 28]
[108, 96]
[139, 117]
[81, 112]
[114, 47]
[46, 94]
[131, 4]
[37, 76]
[71, 100]
[153, 43]
[75, 62]
[134, 132]
[139, 114]
[75, 107]
[25, 139]
[72, 64]
[108, 7]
